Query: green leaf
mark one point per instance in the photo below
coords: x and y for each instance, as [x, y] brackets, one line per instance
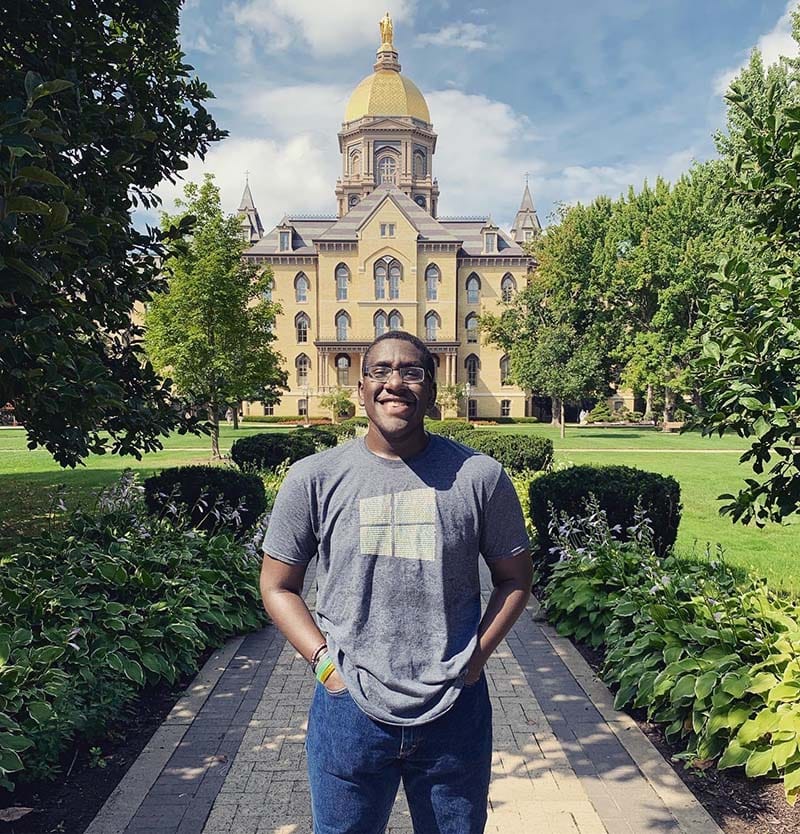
[32, 81]
[26, 205]
[12, 742]
[762, 682]
[113, 573]
[736, 683]
[791, 784]
[684, 688]
[752, 403]
[734, 756]
[759, 763]
[784, 693]
[115, 661]
[22, 637]
[782, 751]
[42, 175]
[133, 670]
[50, 88]
[39, 711]
[705, 684]
[10, 762]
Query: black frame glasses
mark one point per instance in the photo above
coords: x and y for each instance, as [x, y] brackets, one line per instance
[383, 373]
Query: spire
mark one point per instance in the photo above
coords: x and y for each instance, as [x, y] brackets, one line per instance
[387, 54]
[526, 224]
[252, 229]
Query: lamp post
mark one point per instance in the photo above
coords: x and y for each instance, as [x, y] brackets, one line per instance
[308, 404]
[466, 397]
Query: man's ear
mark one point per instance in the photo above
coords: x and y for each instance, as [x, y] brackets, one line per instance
[433, 411]
[360, 392]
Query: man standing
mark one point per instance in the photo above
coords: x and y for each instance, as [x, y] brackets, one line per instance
[397, 520]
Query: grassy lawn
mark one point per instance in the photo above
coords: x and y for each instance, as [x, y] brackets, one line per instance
[704, 467]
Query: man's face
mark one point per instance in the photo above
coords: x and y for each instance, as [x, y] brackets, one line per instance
[396, 408]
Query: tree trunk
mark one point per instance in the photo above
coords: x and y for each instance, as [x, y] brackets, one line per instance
[555, 410]
[669, 405]
[236, 416]
[215, 434]
[561, 418]
[648, 408]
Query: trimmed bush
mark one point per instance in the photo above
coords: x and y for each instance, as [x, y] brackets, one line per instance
[618, 489]
[269, 449]
[507, 421]
[454, 429]
[516, 452]
[601, 413]
[323, 437]
[208, 496]
[284, 418]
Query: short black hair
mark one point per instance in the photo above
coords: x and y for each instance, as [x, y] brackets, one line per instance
[428, 362]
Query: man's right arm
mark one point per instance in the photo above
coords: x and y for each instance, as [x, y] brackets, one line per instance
[282, 593]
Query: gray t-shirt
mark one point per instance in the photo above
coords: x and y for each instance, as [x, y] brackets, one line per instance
[398, 591]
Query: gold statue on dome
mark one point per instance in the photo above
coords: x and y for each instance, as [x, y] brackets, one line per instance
[387, 30]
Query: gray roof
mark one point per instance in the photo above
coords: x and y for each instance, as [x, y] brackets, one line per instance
[305, 232]
[470, 232]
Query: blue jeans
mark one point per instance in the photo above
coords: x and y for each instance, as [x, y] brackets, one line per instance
[355, 765]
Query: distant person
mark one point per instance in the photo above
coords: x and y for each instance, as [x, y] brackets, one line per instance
[397, 521]
[582, 416]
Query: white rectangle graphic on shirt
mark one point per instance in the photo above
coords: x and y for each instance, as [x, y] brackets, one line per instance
[401, 524]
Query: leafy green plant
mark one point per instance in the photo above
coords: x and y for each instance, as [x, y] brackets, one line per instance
[517, 453]
[454, 429]
[268, 449]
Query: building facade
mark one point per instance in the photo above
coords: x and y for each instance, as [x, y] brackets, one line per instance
[387, 261]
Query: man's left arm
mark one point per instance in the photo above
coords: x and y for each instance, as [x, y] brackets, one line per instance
[512, 579]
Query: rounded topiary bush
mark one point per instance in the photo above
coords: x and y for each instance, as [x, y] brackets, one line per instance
[454, 429]
[323, 437]
[269, 449]
[199, 490]
[618, 489]
[516, 452]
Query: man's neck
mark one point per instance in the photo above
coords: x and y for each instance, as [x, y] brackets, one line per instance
[396, 448]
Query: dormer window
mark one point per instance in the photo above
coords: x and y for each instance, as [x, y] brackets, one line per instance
[490, 242]
[285, 240]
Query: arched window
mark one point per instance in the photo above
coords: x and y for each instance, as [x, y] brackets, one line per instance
[380, 322]
[301, 324]
[432, 276]
[387, 169]
[342, 279]
[395, 321]
[432, 325]
[505, 371]
[419, 164]
[355, 163]
[471, 325]
[472, 364]
[342, 370]
[380, 280]
[301, 287]
[342, 324]
[268, 290]
[473, 289]
[508, 286]
[302, 364]
[395, 273]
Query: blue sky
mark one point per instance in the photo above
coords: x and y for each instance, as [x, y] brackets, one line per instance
[587, 97]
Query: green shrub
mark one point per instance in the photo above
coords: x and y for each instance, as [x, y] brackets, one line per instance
[504, 421]
[355, 423]
[516, 452]
[208, 496]
[601, 413]
[323, 437]
[92, 613]
[269, 449]
[454, 429]
[618, 489]
[285, 418]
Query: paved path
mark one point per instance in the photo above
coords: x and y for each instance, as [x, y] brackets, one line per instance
[229, 759]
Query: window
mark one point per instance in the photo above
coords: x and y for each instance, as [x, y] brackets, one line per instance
[395, 321]
[302, 364]
[507, 287]
[395, 272]
[342, 323]
[387, 169]
[432, 282]
[267, 294]
[342, 279]
[472, 409]
[352, 200]
[301, 287]
[421, 201]
[505, 408]
[387, 229]
[505, 371]
[472, 365]
[355, 163]
[380, 323]
[473, 289]
[301, 325]
[472, 328]
[528, 235]
[269, 410]
[419, 164]
[285, 240]
[432, 324]
[302, 407]
[490, 242]
[380, 280]
[342, 370]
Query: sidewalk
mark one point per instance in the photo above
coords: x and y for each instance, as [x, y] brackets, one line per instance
[229, 758]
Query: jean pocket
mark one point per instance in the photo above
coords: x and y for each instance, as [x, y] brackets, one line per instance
[336, 693]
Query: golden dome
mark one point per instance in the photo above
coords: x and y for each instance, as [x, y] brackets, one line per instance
[387, 93]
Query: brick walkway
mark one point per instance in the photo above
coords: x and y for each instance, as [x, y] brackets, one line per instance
[230, 760]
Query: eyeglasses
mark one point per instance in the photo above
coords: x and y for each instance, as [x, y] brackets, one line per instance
[382, 373]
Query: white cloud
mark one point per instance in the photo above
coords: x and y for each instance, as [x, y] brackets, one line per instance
[469, 36]
[329, 28]
[776, 43]
[198, 43]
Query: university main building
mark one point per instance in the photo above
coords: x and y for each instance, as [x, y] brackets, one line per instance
[387, 261]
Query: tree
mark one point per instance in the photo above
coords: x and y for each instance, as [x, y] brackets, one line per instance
[750, 362]
[338, 402]
[448, 397]
[212, 329]
[98, 108]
